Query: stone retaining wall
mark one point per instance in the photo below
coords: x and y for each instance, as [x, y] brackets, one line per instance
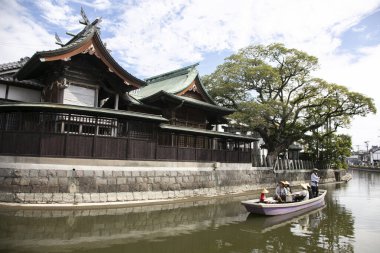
[22, 182]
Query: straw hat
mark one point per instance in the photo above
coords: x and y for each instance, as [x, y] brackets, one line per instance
[305, 186]
[286, 183]
[315, 169]
[265, 191]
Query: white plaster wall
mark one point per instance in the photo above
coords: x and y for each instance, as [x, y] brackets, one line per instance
[77, 95]
[24, 94]
[3, 89]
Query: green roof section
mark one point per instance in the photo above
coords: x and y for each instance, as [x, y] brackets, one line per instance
[172, 82]
[15, 107]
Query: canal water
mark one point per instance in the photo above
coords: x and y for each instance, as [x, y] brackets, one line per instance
[349, 222]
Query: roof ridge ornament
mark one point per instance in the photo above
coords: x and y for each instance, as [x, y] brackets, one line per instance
[58, 40]
[85, 20]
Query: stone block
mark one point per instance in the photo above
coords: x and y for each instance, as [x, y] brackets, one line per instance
[137, 196]
[53, 181]
[112, 197]
[135, 173]
[121, 180]
[88, 173]
[47, 197]
[38, 198]
[29, 198]
[112, 188]
[86, 197]
[4, 172]
[111, 181]
[79, 173]
[62, 173]
[102, 197]
[133, 187]
[78, 197]
[19, 197]
[130, 196]
[95, 197]
[127, 173]
[57, 198]
[41, 173]
[121, 196]
[87, 184]
[34, 173]
[103, 188]
[68, 197]
[63, 181]
[131, 180]
[107, 173]
[100, 181]
[123, 188]
[143, 187]
[151, 195]
[6, 197]
[99, 173]
[51, 173]
[117, 173]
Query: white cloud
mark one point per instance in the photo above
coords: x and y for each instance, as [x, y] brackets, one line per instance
[360, 75]
[97, 4]
[155, 36]
[151, 37]
[359, 28]
[59, 13]
[20, 34]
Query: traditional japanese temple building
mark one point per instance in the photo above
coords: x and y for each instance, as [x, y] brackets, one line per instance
[78, 102]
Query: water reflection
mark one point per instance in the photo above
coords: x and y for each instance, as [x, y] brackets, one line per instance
[218, 225]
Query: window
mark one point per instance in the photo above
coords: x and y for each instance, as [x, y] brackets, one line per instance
[167, 139]
[140, 130]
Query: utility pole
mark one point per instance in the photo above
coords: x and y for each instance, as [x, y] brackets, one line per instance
[367, 158]
[366, 142]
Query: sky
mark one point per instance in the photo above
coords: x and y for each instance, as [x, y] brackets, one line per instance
[150, 37]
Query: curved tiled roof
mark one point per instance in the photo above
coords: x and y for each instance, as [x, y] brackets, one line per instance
[79, 43]
[13, 65]
[7, 71]
[173, 82]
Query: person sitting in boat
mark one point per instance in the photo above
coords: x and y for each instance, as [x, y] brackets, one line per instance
[304, 194]
[287, 187]
[262, 196]
[314, 178]
[281, 192]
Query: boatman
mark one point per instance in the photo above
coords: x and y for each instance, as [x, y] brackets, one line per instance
[314, 183]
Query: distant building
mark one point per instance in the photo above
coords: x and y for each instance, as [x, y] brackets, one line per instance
[375, 155]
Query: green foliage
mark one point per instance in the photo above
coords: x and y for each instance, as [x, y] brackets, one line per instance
[333, 148]
[272, 89]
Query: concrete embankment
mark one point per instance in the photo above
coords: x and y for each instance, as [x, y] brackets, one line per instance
[28, 180]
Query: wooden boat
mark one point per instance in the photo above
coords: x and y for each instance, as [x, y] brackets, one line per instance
[272, 208]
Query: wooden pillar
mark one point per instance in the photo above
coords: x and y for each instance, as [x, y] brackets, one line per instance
[116, 102]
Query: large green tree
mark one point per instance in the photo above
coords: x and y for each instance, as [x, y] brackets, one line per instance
[274, 93]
